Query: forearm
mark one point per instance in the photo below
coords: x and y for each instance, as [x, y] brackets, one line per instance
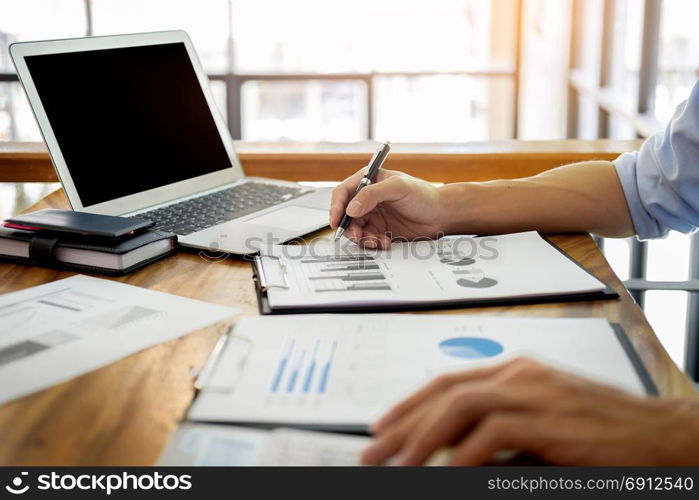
[582, 197]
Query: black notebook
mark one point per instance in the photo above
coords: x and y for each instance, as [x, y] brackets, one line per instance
[84, 253]
[70, 221]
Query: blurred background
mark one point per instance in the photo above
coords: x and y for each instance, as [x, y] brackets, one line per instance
[413, 71]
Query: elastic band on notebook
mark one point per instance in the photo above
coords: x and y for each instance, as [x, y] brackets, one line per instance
[41, 249]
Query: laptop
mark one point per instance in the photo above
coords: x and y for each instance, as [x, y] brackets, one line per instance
[132, 130]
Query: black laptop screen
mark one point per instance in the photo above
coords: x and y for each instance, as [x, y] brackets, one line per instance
[128, 119]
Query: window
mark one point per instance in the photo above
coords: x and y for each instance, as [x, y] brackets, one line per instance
[626, 50]
[356, 70]
[304, 110]
[317, 36]
[16, 118]
[678, 58]
[205, 21]
[431, 108]
[639, 42]
[22, 20]
[625, 62]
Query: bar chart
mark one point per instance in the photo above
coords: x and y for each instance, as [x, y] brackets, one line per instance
[304, 369]
[345, 273]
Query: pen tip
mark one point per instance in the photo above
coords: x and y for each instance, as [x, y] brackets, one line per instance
[338, 234]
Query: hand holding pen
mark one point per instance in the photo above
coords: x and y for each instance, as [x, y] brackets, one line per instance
[369, 177]
[393, 206]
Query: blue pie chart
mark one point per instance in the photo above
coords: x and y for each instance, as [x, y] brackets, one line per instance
[470, 347]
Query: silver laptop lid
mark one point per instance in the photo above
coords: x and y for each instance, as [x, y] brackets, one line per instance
[129, 120]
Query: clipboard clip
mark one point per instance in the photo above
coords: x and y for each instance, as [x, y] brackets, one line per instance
[209, 378]
[262, 277]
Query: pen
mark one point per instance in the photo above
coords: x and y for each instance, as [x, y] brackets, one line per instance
[369, 177]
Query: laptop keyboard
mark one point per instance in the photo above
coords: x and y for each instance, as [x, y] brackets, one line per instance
[208, 210]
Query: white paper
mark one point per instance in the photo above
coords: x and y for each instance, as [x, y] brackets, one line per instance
[53, 332]
[465, 269]
[323, 371]
[226, 445]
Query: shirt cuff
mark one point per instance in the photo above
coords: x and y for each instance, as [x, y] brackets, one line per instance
[646, 227]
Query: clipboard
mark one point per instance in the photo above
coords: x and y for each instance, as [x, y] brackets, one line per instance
[263, 281]
[636, 361]
[242, 345]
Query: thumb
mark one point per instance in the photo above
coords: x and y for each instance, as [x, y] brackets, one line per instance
[392, 189]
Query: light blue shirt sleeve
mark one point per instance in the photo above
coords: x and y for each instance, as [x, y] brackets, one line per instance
[661, 180]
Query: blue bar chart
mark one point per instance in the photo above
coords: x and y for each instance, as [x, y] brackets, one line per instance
[326, 370]
[304, 369]
[282, 366]
[311, 370]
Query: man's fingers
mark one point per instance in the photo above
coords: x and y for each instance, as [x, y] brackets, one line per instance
[436, 386]
[355, 230]
[343, 193]
[372, 237]
[456, 413]
[504, 432]
[337, 210]
[389, 443]
[392, 189]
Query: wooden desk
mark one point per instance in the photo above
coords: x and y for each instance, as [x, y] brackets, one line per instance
[124, 413]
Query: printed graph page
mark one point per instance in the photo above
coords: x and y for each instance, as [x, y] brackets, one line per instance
[456, 269]
[65, 328]
[228, 445]
[346, 370]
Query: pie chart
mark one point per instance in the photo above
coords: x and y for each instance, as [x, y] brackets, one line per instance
[484, 282]
[457, 261]
[470, 347]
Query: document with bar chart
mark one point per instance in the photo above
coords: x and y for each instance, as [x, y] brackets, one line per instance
[341, 372]
[454, 271]
[52, 332]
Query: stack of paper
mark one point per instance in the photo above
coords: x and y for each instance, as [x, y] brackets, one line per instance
[220, 445]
